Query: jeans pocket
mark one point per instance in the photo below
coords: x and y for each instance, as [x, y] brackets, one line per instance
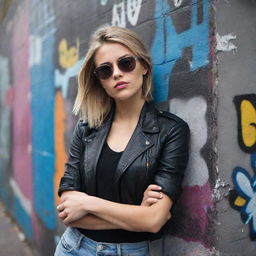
[69, 242]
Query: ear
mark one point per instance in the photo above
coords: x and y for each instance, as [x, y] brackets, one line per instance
[144, 70]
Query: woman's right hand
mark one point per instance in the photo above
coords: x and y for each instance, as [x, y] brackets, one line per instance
[151, 195]
[72, 206]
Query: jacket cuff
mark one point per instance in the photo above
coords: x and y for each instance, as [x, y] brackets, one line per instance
[67, 183]
[171, 186]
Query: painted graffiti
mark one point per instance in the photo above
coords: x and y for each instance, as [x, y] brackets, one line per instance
[129, 9]
[5, 127]
[243, 197]
[178, 3]
[246, 113]
[245, 186]
[21, 122]
[199, 173]
[35, 55]
[169, 45]
[103, 2]
[68, 58]
[47, 38]
[5, 113]
[42, 108]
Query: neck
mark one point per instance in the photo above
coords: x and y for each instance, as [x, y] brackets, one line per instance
[128, 110]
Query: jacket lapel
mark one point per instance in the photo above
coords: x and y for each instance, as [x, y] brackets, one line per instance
[138, 143]
[93, 147]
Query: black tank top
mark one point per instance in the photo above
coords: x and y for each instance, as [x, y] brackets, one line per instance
[106, 168]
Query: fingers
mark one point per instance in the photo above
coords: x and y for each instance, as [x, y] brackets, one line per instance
[155, 194]
[63, 215]
[153, 187]
[151, 195]
[153, 191]
[60, 207]
[66, 221]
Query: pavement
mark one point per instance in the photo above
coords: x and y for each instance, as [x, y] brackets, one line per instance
[11, 238]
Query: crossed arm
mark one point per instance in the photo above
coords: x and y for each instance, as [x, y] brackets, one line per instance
[81, 210]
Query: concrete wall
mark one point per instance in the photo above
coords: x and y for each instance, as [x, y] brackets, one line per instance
[42, 44]
[236, 83]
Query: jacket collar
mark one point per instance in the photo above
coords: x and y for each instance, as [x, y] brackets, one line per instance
[148, 118]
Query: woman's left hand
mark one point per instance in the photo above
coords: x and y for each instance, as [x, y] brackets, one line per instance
[72, 206]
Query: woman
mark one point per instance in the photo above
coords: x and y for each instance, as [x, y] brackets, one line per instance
[126, 160]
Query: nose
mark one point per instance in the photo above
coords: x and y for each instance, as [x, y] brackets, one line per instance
[117, 73]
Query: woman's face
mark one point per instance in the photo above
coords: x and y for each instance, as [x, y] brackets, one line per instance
[121, 85]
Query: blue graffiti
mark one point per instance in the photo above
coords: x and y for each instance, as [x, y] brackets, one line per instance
[168, 45]
[245, 185]
[42, 108]
[23, 218]
[62, 79]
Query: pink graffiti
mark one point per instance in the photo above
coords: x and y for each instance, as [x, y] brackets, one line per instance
[190, 215]
[19, 98]
[197, 201]
[8, 99]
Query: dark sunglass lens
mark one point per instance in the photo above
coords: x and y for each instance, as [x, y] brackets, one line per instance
[127, 64]
[103, 72]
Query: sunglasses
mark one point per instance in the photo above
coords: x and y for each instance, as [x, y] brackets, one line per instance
[125, 64]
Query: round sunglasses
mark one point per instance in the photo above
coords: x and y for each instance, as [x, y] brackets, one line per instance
[125, 64]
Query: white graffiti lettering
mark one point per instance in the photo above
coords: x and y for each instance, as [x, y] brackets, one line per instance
[131, 9]
[103, 2]
[35, 55]
[118, 15]
[178, 3]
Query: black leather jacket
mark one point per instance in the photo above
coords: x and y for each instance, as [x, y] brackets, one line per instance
[157, 153]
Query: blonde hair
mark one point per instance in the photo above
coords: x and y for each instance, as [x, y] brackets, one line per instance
[92, 102]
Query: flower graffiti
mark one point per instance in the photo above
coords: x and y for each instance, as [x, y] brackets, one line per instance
[245, 186]
[243, 197]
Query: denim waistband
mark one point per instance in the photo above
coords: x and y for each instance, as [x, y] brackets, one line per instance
[99, 246]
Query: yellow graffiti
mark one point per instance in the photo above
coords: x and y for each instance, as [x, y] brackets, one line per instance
[60, 153]
[239, 201]
[248, 123]
[68, 57]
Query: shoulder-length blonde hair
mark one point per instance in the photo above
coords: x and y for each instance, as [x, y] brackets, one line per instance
[92, 102]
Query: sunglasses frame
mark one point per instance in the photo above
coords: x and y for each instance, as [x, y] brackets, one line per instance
[110, 65]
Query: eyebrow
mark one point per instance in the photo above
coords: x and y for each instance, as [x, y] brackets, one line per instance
[107, 62]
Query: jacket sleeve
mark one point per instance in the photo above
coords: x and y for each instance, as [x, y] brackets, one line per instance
[71, 179]
[173, 160]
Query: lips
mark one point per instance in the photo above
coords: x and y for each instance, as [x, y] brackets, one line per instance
[121, 85]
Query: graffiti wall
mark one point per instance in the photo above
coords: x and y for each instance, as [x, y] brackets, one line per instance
[236, 229]
[42, 46]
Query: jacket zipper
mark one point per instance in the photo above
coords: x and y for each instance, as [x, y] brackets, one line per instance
[147, 161]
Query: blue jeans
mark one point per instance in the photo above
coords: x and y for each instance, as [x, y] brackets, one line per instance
[73, 243]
